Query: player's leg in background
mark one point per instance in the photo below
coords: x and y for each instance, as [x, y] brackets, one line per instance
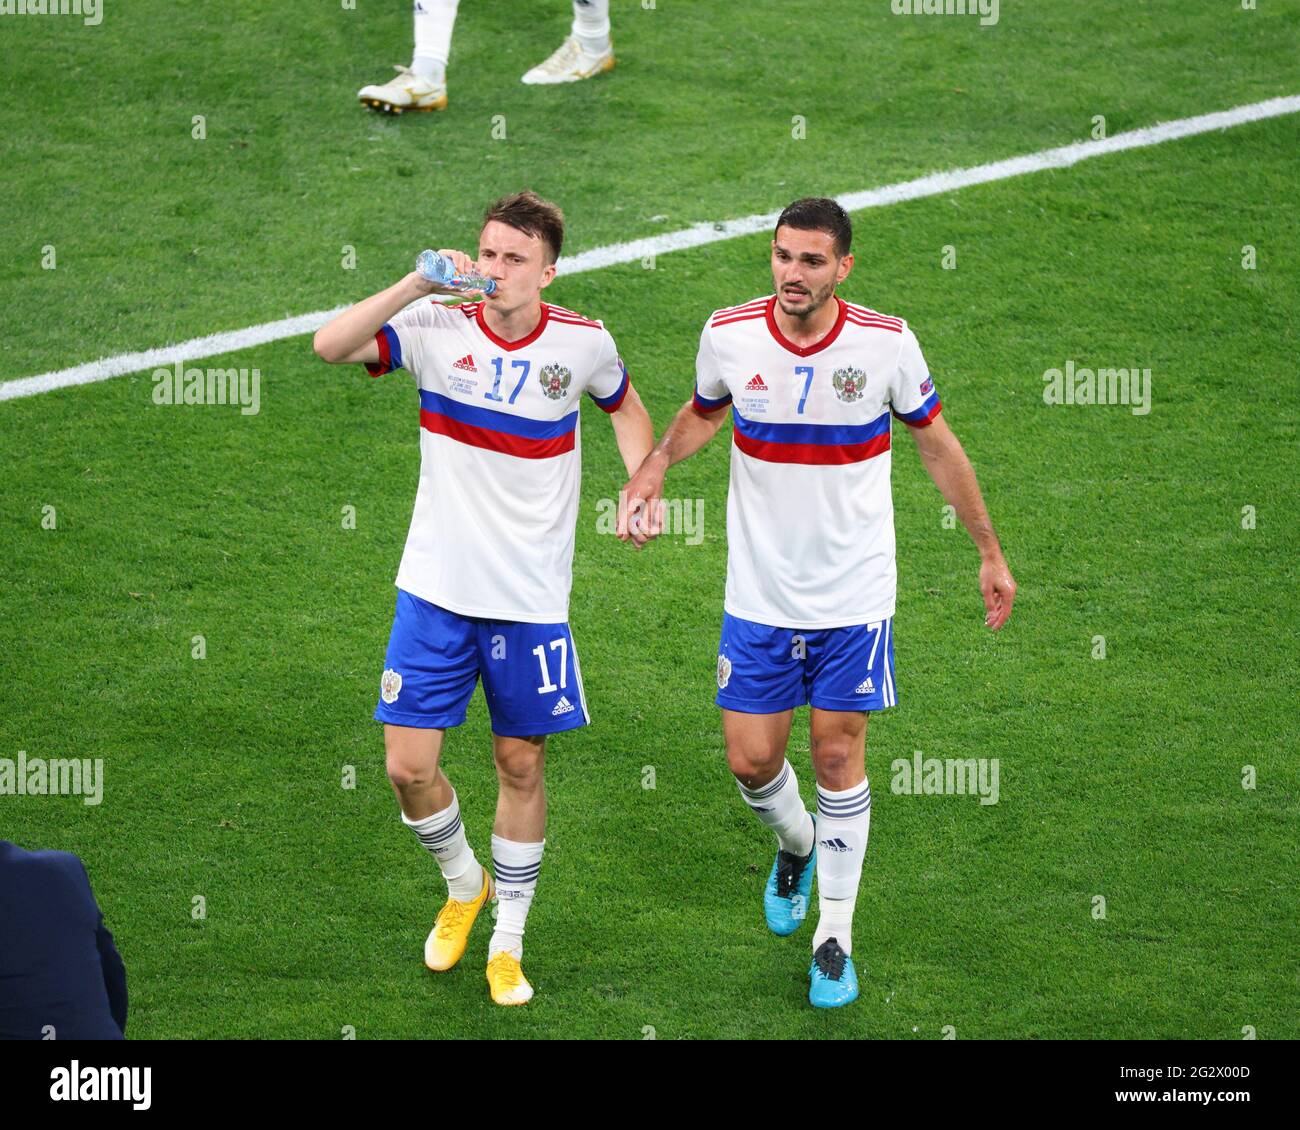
[430, 807]
[434, 22]
[587, 50]
[423, 85]
[839, 739]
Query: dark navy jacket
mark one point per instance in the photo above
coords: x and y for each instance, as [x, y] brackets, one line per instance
[58, 965]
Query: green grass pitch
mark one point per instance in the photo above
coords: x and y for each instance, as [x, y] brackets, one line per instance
[1120, 777]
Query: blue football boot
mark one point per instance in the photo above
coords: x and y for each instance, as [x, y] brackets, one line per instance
[834, 980]
[785, 899]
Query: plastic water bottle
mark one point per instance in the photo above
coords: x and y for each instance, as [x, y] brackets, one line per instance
[441, 270]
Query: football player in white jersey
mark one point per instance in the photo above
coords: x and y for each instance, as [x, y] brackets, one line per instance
[586, 52]
[811, 381]
[483, 586]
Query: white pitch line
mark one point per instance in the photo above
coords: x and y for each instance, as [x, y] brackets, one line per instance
[695, 236]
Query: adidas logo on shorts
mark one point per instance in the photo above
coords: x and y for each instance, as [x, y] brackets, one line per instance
[564, 706]
[756, 384]
[866, 686]
[466, 363]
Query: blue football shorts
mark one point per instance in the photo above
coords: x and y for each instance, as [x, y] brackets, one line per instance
[435, 657]
[764, 670]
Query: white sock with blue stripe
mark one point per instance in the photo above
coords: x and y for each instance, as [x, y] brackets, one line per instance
[778, 805]
[444, 835]
[516, 866]
[843, 824]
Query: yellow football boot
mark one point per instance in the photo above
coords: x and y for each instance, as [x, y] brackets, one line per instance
[507, 980]
[446, 941]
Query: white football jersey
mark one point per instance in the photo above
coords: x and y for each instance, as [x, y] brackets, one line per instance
[810, 514]
[500, 454]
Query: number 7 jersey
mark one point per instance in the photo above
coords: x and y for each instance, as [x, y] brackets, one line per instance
[810, 514]
[500, 454]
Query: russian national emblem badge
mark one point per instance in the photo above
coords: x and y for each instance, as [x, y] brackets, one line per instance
[555, 380]
[724, 672]
[849, 384]
[390, 686]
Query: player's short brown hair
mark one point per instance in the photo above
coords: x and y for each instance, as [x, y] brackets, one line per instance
[820, 213]
[529, 213]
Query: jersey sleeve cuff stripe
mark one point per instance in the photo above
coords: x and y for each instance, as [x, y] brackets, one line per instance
[923, 416]
[612, 403]
[390, 352]
[704, 404]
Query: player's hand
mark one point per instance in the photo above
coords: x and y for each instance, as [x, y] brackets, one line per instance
[641, 504]
[464, 265]
[998, 587]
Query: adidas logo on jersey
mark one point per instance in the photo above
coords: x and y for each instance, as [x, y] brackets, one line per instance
[756, 384]
[466, 363]
[836, 844]
[564, 706]
[866, 686]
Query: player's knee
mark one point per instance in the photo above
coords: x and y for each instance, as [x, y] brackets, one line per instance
[409, 768]
[520, 769]
[834, 757]
[408, 775]
[753, 768]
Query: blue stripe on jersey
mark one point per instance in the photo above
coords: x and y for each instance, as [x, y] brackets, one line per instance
[394, 346]
[822, 434]
[710, 405]
[927, 407]
[497, 421]
[615, 396]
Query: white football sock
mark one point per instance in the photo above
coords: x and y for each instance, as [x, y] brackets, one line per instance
[591, 25]
[516, 866]
[434, 20]
[843, 824]
[778, 805]
[444, 835]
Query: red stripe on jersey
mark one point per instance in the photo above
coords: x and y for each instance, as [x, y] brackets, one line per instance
[866, 311]
[561, 310]
[727, 311]
[578, 321]
[759, 313]
[469, 309]
[876, 325]
[519, 446]
[385, 364]
[812, 453]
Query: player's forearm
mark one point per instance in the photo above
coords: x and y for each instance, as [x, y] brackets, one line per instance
[688, 432]
[356, 326]
[633, 431]
[953, 474]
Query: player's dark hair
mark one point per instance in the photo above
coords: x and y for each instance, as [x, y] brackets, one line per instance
[529, 213]
[820, 213]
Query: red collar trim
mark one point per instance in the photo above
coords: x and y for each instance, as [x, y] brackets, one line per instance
[799, 350]
[512, 345]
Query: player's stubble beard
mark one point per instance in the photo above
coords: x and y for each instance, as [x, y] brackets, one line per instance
[818, 299]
